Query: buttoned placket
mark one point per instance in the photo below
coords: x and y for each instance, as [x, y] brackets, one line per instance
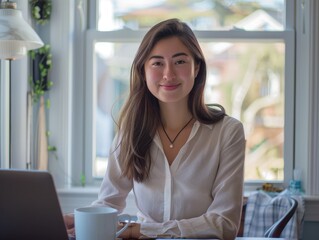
[168, 190]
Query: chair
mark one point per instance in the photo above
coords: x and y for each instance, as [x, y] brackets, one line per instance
[276, 229]
[264, 216]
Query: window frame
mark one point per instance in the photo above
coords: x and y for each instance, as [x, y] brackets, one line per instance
[287, 36]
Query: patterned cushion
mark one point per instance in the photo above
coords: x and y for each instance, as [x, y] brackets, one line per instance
[263, 210]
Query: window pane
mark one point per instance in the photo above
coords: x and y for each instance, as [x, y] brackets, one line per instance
[113, 62]
[199, 14]
[246, 78]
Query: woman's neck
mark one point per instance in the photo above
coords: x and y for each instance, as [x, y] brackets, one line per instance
[173, 117]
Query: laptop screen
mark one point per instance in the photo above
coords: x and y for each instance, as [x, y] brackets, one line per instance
[29, 206]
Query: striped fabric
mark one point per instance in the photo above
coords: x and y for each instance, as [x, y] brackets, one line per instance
[263, 210]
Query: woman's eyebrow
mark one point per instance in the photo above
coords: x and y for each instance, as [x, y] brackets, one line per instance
[175, 55]
[180, 54]
[155, 56]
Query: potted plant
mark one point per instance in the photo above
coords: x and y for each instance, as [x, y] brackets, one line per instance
[41, 65]
[41, 10]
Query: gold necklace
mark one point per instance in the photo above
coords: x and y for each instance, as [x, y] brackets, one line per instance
[169, 139]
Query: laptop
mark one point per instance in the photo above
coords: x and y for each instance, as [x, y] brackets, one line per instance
[29, 206]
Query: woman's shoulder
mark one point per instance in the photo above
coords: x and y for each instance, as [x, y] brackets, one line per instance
[228, 120]
[227, 123]
[232, 127]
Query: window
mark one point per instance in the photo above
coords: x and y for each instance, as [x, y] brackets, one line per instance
[249, 49]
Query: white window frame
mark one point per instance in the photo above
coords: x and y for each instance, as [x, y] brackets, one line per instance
[306, 95]
[287, 36]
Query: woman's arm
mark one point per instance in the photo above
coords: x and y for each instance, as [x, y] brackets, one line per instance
[115, 187]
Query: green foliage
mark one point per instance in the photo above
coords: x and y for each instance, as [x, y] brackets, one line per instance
[41, 10]
[44, 64]
[41, 61]
[51, 149]
[83, 180]
[48, 103]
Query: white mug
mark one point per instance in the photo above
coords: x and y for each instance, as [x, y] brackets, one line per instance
[97, 223]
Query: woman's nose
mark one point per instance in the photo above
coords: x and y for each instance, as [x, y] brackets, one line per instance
[169, 73]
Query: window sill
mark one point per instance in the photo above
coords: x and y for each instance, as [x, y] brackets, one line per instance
[311, 208]
[71, 198]
[78, 190]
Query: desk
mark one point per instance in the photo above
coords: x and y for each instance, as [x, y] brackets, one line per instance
[237, 238]
[256, 238]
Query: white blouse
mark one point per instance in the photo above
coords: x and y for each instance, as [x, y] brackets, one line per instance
[198, 196]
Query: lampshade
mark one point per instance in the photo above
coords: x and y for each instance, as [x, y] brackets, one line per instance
[16, 35]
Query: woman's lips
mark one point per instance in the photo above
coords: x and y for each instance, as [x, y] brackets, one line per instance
[170, 87]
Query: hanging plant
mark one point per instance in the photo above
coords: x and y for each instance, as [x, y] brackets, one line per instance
[41, 65]
[41, 62]
[41, 10]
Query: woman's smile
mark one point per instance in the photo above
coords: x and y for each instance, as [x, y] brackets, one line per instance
[170, 87]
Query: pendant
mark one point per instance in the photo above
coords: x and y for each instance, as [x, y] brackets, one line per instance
[171, 146]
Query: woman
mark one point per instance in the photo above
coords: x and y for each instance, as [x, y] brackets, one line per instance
[183, 159]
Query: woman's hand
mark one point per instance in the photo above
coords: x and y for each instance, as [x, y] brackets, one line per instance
[132, 232]
[69, 224]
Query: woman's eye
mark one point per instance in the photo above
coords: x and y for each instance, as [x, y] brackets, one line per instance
[180, 62]
[155, 64]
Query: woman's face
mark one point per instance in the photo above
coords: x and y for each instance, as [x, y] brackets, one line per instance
[170, 71]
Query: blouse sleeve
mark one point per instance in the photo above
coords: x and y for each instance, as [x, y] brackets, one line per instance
[223, 215]
[115, 187]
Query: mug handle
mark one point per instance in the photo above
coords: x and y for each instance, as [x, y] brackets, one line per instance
[129, 219]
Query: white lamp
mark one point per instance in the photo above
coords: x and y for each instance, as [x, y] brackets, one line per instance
[16, 35]
[16, 38]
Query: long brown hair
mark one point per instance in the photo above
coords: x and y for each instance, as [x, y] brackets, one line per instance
[140, 115]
